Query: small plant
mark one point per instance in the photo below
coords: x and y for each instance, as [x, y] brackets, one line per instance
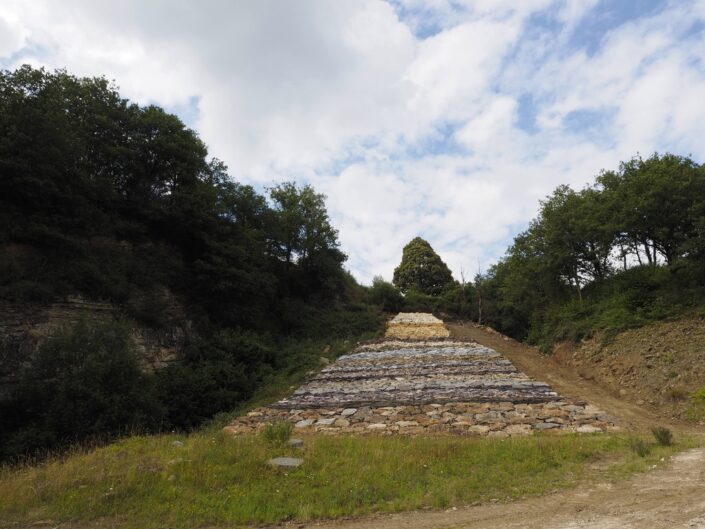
[664, 436]
[677, 393]
[277, 433]
[639, 446]
[696, 407]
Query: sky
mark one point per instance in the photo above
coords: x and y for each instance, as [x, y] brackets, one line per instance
[446, 119]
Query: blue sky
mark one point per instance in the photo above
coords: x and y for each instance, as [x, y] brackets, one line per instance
[448, 119]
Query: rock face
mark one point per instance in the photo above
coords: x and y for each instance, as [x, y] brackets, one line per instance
[412, 387]
[24, 326]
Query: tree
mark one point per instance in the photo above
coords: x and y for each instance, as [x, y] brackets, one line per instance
[421, 269]
[655, 203]
[385, 295]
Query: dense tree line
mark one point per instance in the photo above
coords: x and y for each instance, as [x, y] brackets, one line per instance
[626, 250]
[119, 202]
[622, 251]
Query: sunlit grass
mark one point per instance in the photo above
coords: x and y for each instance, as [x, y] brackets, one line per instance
[218, 480]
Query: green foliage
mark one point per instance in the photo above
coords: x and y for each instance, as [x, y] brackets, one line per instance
[84, 383]
[277, 433]
[639, 446]
[663, 436]
[621, 253]
[696, 407]
[421, 269]
[117, 202]
[385, 295]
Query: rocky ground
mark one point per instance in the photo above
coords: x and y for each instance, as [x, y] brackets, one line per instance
[439, 386]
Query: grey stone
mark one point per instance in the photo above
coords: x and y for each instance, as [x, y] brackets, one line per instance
[296, 443]
[178, 444]
[325, 422]
[285, 462]
[347, 412]
[304, 423]
[546, 425]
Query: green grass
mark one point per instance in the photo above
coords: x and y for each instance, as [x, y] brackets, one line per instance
[216, 480]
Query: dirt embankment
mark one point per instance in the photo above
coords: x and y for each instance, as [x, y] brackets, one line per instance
[590, 375]
[657, 367]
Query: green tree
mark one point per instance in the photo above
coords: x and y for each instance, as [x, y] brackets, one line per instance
[385, 295]
[655, 203]
[421, 269]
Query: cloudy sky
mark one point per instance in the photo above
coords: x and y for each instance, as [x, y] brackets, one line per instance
[448, 119]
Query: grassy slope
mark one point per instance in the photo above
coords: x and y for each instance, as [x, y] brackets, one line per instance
[217, 480]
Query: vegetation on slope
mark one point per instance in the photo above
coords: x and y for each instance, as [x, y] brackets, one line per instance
[117, 202]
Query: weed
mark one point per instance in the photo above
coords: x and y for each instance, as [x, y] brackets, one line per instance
[677, 393]
[664, 436]
[696, 407]
[277, 433]
[639, 446]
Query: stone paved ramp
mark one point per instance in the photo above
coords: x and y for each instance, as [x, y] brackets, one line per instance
[428, 386]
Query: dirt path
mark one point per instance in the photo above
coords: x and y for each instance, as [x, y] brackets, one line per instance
[669, 497]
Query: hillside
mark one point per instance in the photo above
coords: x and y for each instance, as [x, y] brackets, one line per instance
[141, 286]
[660, 366]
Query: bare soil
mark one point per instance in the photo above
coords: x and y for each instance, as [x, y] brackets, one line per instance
[667, 497]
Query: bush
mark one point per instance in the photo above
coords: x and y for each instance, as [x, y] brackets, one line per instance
[83, 383]
[277, 433]
[639, 446]
[664, 436]
[696, 407]
[385, 295]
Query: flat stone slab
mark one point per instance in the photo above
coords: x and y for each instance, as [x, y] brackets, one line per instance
[285, 462]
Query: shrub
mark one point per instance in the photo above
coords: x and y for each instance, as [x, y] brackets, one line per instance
[677, 393]
[385, 295]
[277, 433]
[83, 383]
[639, 446]
[664, 436]
[696, 407]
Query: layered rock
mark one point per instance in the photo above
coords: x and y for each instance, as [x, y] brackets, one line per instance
[440, 386]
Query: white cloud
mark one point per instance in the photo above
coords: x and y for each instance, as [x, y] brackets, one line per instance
[411, 116]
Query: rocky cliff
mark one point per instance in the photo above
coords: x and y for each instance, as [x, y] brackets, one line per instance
[24, 326]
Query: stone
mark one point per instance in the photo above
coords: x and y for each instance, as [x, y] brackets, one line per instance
[546, 425]
[347, 412]
[518, 429]
[304, 423]
[178, 444]
[341, 423]
[478, 429]
[406, 424]
[325, 422]
[285, 462]
[586, 428]
[376, 426]
[296, 443]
